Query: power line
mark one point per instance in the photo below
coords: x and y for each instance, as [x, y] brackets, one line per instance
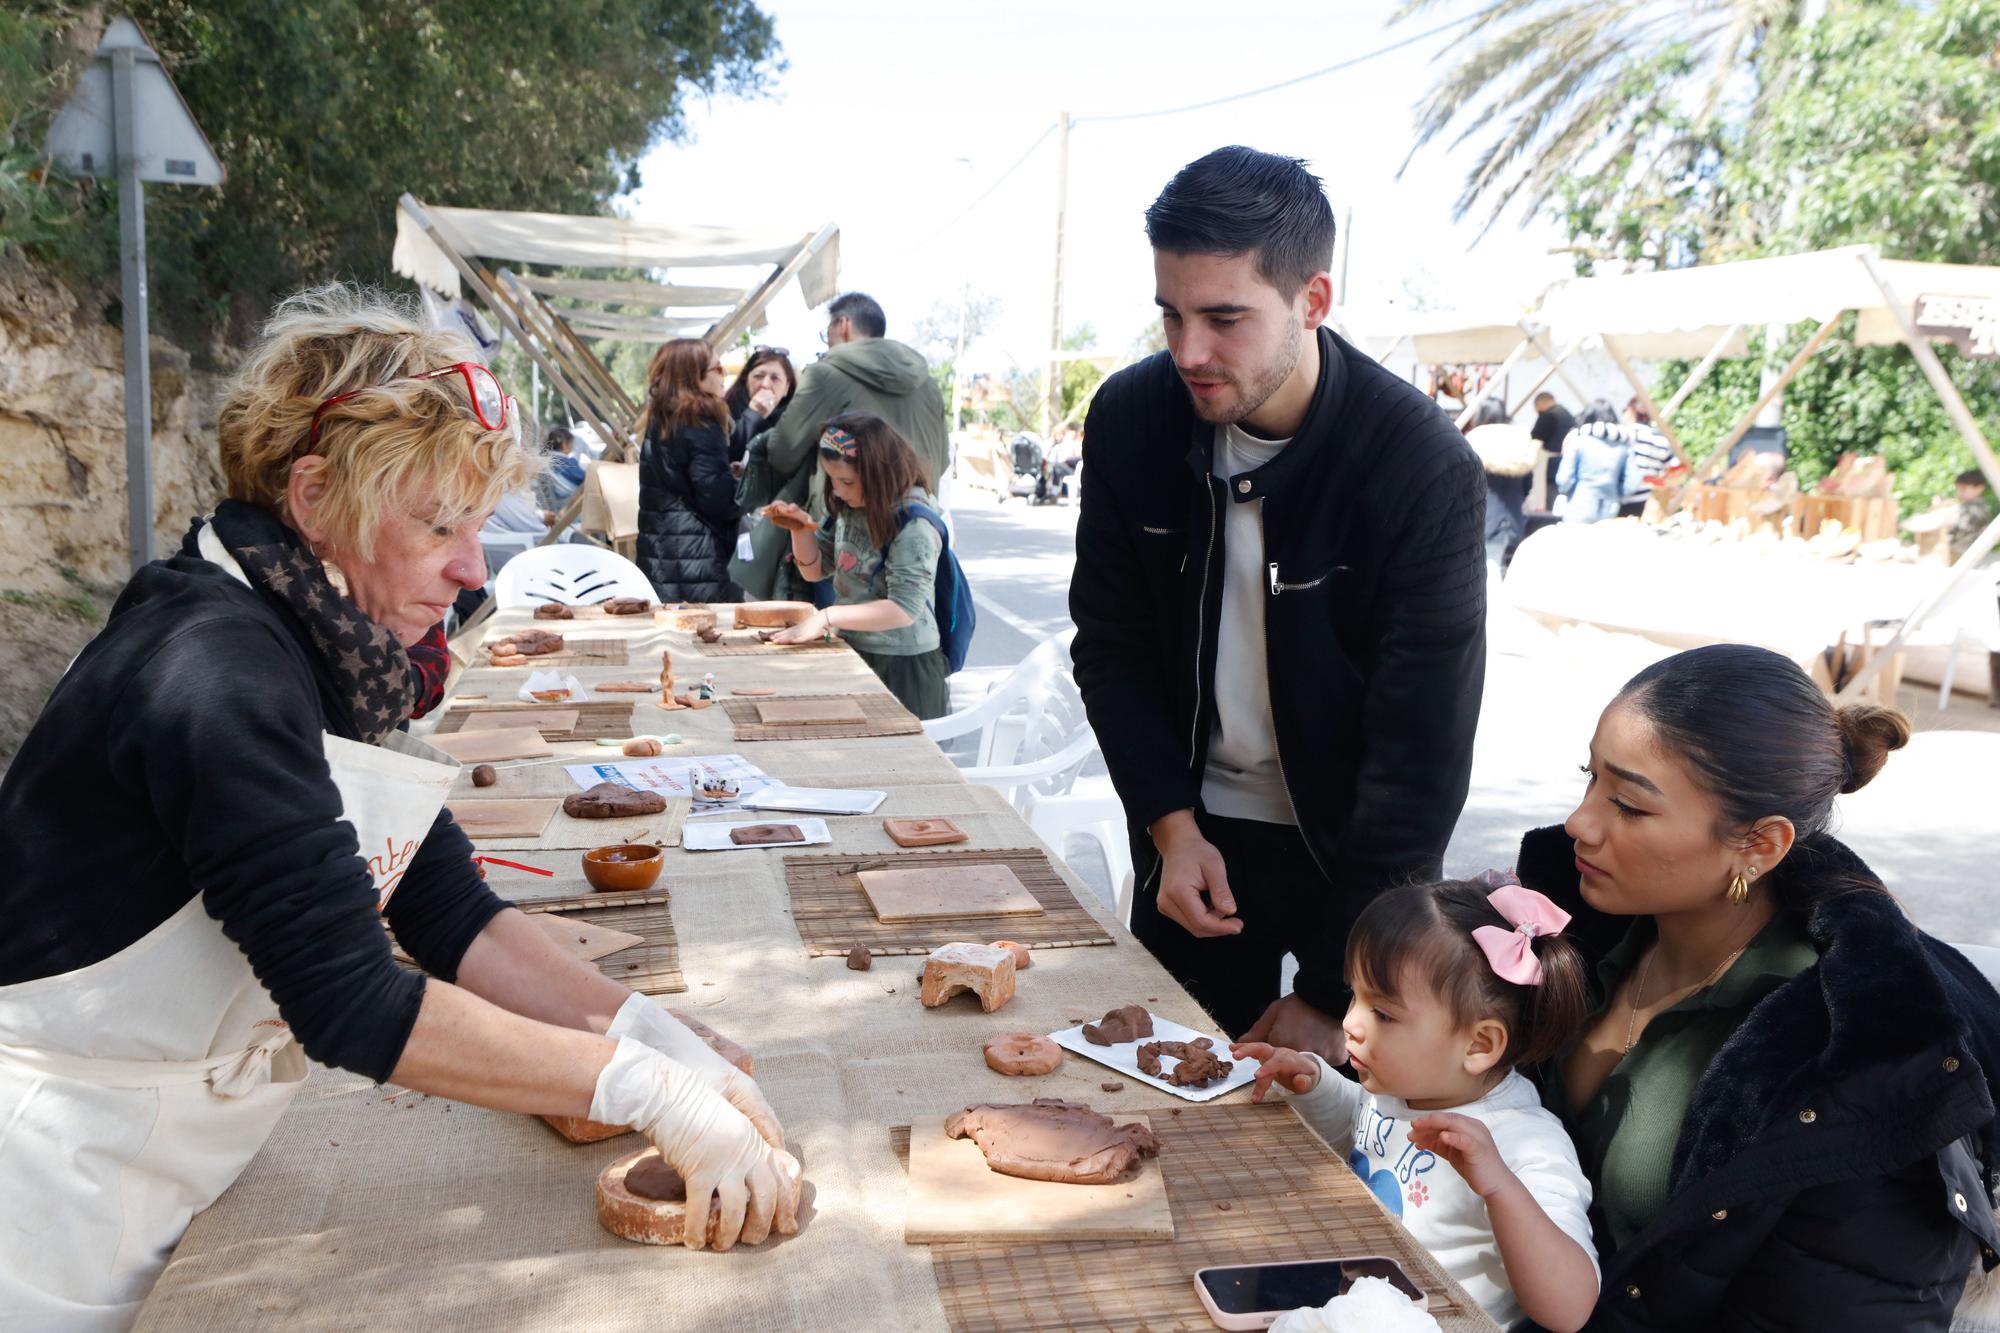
[1349, 63]
[998, 182]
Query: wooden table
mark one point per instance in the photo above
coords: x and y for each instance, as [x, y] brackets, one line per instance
[372, 1206]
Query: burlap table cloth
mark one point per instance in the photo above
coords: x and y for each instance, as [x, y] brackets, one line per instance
[371, 1207]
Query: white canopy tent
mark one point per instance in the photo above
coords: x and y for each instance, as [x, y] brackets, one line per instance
[1895, 301]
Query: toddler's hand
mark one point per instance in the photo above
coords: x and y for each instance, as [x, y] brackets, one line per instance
[1299, 1072]
[1467, 1144]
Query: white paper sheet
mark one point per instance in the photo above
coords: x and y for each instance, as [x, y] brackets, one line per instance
[715, 837]
[816, 800]
[1124, 1058]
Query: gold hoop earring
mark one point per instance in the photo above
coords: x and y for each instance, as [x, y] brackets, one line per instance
[1739, 890]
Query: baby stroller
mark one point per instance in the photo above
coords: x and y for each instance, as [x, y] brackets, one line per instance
[1030, 479]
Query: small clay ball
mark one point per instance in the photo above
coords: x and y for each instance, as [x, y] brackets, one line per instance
[485, 775]
[1022, 1054]
[1022, 960]
[859, 959]
[642, 747]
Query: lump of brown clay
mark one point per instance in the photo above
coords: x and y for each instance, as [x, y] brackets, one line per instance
[627, 686]
[485, 775]
[1113, 1086]
[527, 643]
[1120, 1025]
[1050, 1139]
[708, 634]
[642, 747]
[980, 968]
[554, 611]
[1199, 1066]
[761, 835]
[1022, 1053]
[1023, 960]
[626, 606]
[609, 800]
[859, 959]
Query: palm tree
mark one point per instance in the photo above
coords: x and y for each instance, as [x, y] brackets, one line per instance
[1568, 84]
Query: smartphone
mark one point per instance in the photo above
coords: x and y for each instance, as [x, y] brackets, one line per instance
[1244, 1296]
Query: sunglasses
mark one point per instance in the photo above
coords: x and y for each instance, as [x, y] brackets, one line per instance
[493, 407]
[837, 444]
[774, 351]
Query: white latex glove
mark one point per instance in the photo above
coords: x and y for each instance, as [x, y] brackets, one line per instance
[729, 1169]
[645, 1022]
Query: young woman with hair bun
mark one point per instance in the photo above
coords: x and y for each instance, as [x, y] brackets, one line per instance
[1784, 1093]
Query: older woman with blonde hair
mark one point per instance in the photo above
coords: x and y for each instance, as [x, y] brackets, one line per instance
[203, 831]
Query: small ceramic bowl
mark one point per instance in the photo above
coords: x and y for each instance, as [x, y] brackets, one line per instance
[625, 867]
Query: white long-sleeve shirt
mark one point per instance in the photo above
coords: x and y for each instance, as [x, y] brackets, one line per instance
[1431, 1199]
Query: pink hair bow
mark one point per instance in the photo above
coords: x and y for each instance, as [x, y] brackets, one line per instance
[1512, 952]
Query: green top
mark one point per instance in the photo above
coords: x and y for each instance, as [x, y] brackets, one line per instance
[1626, 1133]
[906, 574]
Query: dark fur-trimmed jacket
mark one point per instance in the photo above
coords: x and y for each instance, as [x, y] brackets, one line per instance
[1374, 614]
[687, 513]
[1837, 1165]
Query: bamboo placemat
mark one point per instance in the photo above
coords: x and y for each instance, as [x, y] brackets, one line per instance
[833, 914]
[757, 648]
[652, 967]
[1248, 1185]
[575, 652]
[882, 714]
[595, 720]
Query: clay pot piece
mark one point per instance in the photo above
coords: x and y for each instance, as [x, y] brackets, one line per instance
[1020, 1054]
[980, 968]
[1199, 1066]
[1119, 1026]
[640, 1198]
[1054, 1140]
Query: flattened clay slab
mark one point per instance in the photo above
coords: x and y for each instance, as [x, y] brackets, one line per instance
[541, 719]
[954, 1195]
[806, 712]
[937, 893]
[481, 747]
[527, 817]
[762, 835]
[922, 832]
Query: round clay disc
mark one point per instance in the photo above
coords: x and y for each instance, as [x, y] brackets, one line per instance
[1022, 1054]
[633, 1216]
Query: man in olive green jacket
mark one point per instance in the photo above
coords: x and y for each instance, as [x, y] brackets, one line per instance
[862, 372]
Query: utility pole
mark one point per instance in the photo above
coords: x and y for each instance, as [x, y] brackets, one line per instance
[1346, 249]
[1052, 400]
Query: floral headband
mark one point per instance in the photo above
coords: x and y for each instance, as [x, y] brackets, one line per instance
[837, 443]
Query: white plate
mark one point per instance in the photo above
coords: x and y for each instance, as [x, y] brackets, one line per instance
[815, 800]
[715, 837]
[1124, 1058]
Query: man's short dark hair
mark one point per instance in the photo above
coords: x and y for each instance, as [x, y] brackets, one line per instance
[859, 309]
[1544, 397]
[1971, 477]
[558, 439]
[1237, 201]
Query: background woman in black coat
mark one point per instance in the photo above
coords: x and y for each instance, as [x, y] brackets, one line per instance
[1785, 1101]
[687, 499]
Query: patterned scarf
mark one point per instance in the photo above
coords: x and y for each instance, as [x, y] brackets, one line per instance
[369, 667]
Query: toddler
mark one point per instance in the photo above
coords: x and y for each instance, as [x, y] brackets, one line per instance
[1454, 985]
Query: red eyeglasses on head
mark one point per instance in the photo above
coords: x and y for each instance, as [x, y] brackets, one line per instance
[493, 408]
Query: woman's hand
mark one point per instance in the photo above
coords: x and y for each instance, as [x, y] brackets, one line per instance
[789, 516]
[749, 1186]
[1299, 1072]
[645, 1022]
[1467, 1144]
[762, 401]
[1290, 1021]
[814, 626]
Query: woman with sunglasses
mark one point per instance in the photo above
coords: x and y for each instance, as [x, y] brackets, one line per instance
[687, 498]
[205, 830]
[882, 560]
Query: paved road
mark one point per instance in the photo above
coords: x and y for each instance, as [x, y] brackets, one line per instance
[1930, 825]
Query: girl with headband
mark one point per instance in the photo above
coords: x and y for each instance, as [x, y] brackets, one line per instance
[1454, 985]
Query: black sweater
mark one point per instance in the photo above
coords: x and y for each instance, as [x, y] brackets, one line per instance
[1374, 619]
[181, 754]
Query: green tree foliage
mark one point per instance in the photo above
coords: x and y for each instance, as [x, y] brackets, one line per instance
[324, 111]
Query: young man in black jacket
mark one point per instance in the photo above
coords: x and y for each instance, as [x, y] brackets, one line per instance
[1280, 604]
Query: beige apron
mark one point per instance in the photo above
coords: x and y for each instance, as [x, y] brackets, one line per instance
[135, 1090]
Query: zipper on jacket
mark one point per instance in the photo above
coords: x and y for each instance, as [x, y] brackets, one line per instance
[1277, 586]
[1201, 620]
[1277, 749]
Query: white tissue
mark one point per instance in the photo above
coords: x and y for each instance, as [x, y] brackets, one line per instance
[551, 680]
[1370, 1305]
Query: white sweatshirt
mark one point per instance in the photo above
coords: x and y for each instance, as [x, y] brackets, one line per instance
[1242, 779]
[1431, 1199]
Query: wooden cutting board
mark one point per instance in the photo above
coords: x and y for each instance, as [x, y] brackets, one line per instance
[936, 892]
[541, 719]
[807, 712]
[953, 1195]
[523, 818]
[583, 940]
[484, 747]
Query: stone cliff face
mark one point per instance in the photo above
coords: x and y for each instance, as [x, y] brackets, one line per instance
[62, 438]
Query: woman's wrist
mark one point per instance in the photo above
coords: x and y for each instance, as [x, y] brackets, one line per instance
[826, 622]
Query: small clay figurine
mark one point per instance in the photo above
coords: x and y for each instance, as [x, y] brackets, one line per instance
[706, 690]
[667, 674]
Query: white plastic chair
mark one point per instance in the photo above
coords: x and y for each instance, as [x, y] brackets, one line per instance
[1984, 957]
[574, 574]
[1016, 705]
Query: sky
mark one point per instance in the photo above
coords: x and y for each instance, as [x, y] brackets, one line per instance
[892, 117]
